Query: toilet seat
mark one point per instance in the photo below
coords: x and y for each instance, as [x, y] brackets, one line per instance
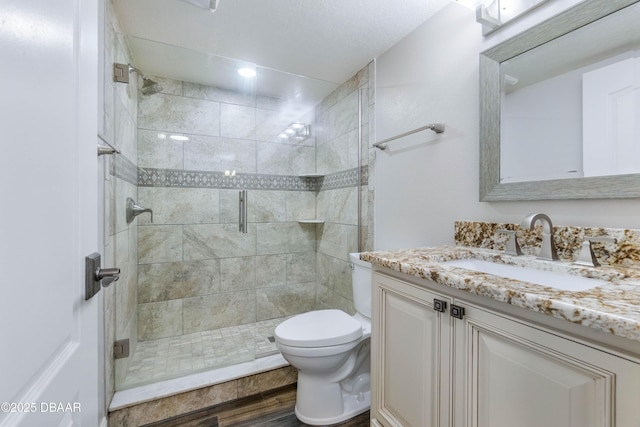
[320, 328]
[312, 352]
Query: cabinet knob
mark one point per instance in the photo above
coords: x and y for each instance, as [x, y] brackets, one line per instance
[457, 311]
[439, 305]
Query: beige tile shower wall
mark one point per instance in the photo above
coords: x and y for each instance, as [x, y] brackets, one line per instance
[337, 151]
[196, 270]
[118, 127]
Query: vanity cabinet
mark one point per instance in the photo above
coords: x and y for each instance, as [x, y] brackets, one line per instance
[487, 369]
[410, 355]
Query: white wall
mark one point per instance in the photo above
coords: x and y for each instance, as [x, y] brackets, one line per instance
[541, 124]
[548, 135]
[426, 181]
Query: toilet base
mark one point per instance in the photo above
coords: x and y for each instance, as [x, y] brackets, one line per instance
[352, 407]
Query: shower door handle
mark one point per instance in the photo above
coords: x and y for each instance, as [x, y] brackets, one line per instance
[242, 214]
[246, 209]
[240, 211]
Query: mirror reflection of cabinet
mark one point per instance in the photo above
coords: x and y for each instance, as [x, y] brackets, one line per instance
[549, 128]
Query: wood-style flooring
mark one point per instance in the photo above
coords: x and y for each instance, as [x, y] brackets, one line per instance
[273, 409]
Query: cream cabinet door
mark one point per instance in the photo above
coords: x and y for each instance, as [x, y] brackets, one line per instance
[410, 356]
[517, 375]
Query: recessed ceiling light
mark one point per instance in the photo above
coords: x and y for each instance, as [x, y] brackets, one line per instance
[179, 137]
[247, 72]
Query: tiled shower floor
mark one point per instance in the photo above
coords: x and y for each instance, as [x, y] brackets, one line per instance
[164, 358]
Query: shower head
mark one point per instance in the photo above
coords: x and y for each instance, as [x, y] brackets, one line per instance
[149, 87]
[121, 74]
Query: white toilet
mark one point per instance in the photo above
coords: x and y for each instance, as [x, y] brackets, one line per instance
[331, 351]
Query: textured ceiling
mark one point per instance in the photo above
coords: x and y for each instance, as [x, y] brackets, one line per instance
[328, 40]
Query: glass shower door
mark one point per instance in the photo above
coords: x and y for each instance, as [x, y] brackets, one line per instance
[203, 294]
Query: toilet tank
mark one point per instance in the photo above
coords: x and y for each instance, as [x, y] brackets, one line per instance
[361, 280]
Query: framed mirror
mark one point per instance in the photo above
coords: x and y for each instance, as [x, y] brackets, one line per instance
[551, 124]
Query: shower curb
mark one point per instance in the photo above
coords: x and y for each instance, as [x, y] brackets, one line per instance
[155, 402]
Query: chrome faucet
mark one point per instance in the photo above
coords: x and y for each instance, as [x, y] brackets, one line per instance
[133, 210]
[548, 248]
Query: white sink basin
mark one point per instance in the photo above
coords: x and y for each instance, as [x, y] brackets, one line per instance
[565, 282]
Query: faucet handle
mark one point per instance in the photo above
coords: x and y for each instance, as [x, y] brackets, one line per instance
[513, 247]
[133, 210]
[586, 256]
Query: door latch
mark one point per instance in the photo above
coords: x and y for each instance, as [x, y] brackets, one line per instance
[97, 277]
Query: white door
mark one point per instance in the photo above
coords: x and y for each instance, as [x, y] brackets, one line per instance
[48, 212]
[611, 129]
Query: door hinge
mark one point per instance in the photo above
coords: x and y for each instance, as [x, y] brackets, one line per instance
[121, 349]
[439, 305]
[457, 311]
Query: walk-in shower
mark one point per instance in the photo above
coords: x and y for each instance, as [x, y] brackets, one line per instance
[248, 227]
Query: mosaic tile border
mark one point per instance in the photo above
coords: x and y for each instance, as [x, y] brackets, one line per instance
[123, 168]
[152, 177]
[348, 178]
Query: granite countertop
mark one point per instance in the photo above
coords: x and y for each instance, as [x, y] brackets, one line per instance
[613, 308]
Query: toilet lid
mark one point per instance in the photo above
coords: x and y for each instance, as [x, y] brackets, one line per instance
[319, 328]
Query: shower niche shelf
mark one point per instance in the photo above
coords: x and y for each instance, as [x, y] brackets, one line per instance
[311, 221]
